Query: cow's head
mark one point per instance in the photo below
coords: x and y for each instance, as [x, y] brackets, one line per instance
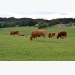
[57, 36]
[31, 38]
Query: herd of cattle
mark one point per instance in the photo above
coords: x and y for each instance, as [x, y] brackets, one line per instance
[39, 33]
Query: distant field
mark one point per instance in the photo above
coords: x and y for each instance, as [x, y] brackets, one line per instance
[20, 48]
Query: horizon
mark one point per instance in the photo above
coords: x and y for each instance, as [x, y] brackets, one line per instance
[38, 15]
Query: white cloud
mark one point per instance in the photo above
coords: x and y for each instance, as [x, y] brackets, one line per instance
[47, 9]
[34, 15]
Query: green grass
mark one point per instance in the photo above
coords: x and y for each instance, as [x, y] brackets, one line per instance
[20, 48]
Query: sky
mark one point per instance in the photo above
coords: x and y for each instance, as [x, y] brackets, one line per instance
[46, 9]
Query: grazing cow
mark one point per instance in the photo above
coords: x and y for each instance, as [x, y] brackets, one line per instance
[14, 32]
[37, 33]
[49, 35]
[21, 34]
[53, 34]
[62, 34]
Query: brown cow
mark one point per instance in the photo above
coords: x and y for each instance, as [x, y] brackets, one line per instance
[62, 34]
[37, 33]
[14, 32]
[49, 35]
[53, 34]
[21, 34]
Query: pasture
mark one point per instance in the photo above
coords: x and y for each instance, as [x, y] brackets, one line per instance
[20, 48]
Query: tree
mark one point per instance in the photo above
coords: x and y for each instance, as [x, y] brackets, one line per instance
[31, 23]
[42, 25]
[0, 25]
[53, 22]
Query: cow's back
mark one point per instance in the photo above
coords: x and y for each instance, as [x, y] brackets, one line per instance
[37, 33]
[41, 33]
[14, 32]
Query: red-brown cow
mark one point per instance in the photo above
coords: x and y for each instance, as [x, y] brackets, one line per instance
[49, 35]
[62, 34]
[53, 34]
[37, 33]
[14, 32]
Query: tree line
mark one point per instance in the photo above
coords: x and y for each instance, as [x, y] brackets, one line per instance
[22, 22]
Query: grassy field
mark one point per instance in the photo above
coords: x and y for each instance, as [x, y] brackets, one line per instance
[20, 48]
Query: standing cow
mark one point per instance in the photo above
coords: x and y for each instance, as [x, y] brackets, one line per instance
[62, 34]
[14, 32]
[37, 33]
[51, 34]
